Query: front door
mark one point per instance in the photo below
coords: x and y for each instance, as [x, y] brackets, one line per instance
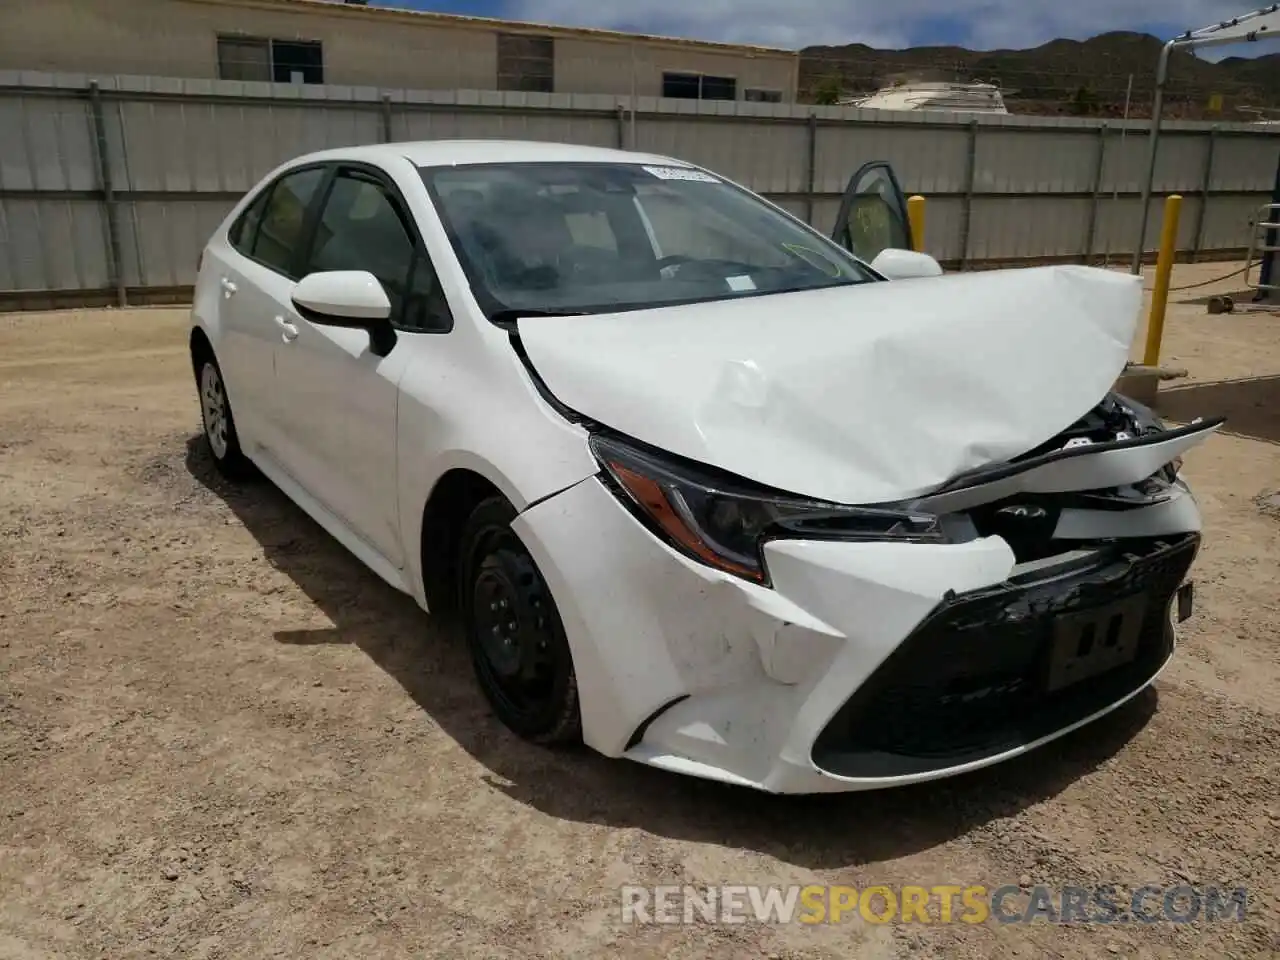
[873, 214]
[337, 398]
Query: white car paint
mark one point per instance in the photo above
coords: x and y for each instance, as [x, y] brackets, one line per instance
[879, 392]
[734, 385]
[905, 265]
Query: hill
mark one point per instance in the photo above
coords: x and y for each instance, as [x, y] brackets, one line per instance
[1087, 78]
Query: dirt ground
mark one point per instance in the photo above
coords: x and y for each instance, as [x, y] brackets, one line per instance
[221, 737]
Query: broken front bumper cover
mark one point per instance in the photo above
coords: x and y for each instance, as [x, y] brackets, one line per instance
[989, 671]
[858, 669]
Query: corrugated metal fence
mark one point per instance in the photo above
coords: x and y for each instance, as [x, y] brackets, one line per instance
[109, 188]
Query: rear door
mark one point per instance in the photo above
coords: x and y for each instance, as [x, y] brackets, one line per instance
[258, 273]
[873, 213]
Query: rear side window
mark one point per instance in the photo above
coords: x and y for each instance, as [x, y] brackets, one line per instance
[245, 229]
[271, 230]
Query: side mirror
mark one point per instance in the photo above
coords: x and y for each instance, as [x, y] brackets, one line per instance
[347, 298]
[905, 265]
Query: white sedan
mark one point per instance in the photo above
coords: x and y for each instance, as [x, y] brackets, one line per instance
[705, 490]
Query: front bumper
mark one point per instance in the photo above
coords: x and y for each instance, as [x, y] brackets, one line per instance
[866, 665]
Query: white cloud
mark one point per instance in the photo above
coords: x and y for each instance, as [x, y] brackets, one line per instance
[984, 24]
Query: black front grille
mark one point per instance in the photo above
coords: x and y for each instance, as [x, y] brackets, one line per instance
[973, 680]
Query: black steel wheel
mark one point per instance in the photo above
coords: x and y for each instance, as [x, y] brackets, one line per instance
[514, 632]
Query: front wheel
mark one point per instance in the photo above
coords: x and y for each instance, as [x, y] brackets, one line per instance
[514, 632]
[219, 424]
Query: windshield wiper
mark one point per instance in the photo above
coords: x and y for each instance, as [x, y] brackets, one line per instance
[509, 315]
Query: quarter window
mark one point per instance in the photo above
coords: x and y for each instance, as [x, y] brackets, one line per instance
[245, 230]
[363, 227]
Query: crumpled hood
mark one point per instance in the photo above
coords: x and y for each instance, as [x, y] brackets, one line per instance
[863, 394]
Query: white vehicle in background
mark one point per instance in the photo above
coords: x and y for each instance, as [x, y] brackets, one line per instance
[707, 492]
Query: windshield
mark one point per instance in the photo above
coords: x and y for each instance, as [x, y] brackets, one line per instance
[602, 237]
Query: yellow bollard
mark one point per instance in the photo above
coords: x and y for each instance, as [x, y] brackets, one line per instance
[1164, 271]
[915, 215]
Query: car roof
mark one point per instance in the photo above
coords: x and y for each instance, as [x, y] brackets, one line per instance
[440, 153]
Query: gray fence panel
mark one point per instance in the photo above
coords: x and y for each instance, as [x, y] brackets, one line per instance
[1027, 227]
[161, 240]
[1179, 164]
[179, 151]
[1228, 221]
[928, 160]
[53, 244]
[1049, 162]
[445, 124]
[1245, 163]
[222, 146]
[46, 144]
[772, 163]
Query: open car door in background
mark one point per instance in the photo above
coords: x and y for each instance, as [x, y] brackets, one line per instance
[873, 213]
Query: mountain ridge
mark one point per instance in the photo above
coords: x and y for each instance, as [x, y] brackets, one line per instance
[1061, 77]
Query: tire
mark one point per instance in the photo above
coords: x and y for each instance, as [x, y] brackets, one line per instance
[514, 632]
[219, 423]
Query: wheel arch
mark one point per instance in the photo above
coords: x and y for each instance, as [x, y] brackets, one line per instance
[201, 348]
[457, 492]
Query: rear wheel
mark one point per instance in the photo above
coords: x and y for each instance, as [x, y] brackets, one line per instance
[219, 424]
[514, 633]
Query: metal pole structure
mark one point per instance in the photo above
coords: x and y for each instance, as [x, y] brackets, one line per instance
[811, 174]
[1261, 24]
[1164, 272]
[1153, 142]
[1115, 181]
[102, 153]
[633, 95]
[915, 217]
[970, 175]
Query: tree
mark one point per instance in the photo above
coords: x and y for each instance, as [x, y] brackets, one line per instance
[827, 93]
[1084, 102]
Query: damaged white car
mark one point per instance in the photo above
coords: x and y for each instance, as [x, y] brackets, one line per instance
[706, 491]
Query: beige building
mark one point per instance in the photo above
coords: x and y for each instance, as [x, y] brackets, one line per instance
[326, 41]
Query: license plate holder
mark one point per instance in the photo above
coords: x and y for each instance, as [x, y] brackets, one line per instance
[1095, 641]
[1186, 601]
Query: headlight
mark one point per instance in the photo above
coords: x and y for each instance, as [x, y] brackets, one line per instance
[724, 523]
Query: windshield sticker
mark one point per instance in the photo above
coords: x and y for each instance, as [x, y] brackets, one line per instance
[681, 173]
[740, 284]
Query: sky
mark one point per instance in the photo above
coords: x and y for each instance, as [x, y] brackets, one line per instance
[976, 24]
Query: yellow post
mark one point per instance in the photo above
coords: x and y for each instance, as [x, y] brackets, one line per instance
[915, 214]
[1164, 270]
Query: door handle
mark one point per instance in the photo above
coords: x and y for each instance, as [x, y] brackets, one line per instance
[228, 288]
[288, 332]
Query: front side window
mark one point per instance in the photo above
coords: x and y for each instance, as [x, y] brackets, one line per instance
[599, 238]
[362, 227]
[276, 238]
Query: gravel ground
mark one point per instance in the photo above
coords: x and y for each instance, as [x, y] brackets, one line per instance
[221, 737]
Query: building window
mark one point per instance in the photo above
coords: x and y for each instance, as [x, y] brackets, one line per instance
[526, 62]
[698, 86]
[754, 95]
[259, 58]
